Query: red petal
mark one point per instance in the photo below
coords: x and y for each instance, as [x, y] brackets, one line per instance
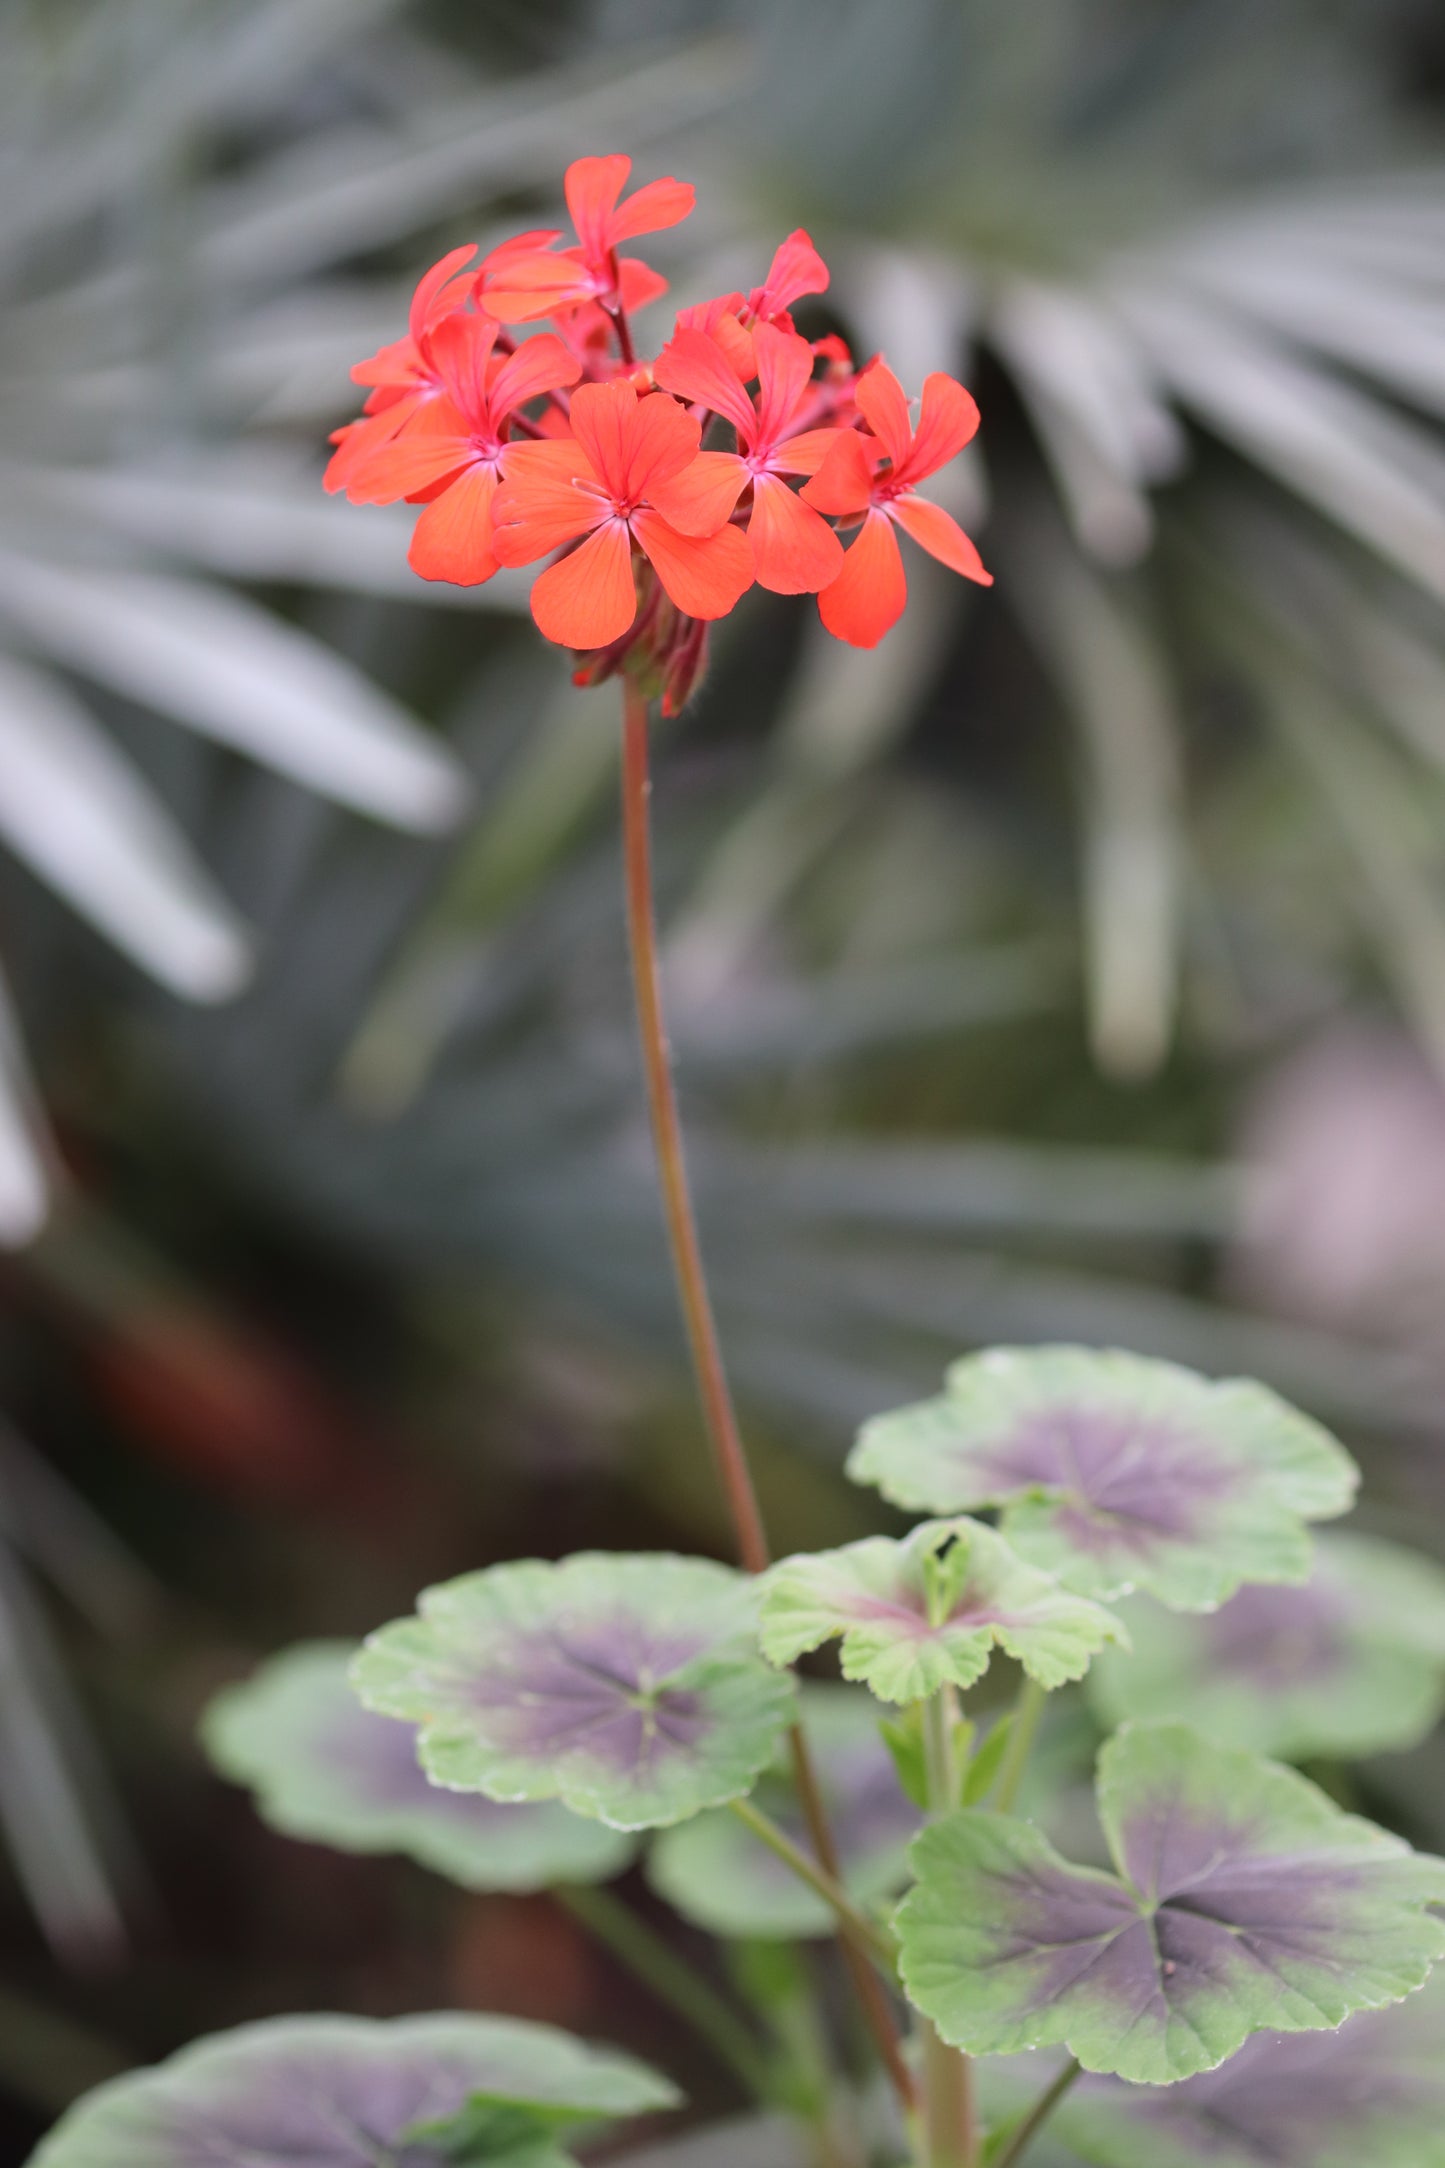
[659, 204]
[941, 536]
[540, 505]
[601, 414]
[795, 552]
[661, 441]
[460, 350]
[707, 315]
[844, 481]
[869, 593]
[453, 538]
[704, 576]
[592, 187]
[540, 364]
[805, 453]
[589, 599]
[884, 408]
[531, 286]
[397, 363]
[638, 283]
[358, 440]
[423, 312]
[785, 363]
[947, 419]
[796, 269]
[701, 499]
[435, 442]
[696, 366]
[521, 244]
[737, 344]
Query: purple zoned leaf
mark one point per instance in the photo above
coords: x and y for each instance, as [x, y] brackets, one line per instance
[628, 1686]
[926, 1612]
[337, 2092]
[1352, 1664]
[1117, 1472]
[716, 1873]
[1373, 2092]
[1244, 1902]
[323, 1767]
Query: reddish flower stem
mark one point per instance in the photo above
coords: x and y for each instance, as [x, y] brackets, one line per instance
[618, 315]
[687, 1262]
[698, 1316]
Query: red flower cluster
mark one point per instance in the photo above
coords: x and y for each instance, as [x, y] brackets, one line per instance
[565, 444]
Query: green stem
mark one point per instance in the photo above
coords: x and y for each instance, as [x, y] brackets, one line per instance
[853, 1921]
[1024, 1723]
[949, 2124]
[940, 1761]
[673, 1981]
[949, 2119]
[1037, 2116]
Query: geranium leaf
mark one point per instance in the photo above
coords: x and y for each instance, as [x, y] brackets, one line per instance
[627, 1686]
[1374, 2091]
[1117, 1472]
[1352, 1664]
[1244, 1901]
[719, 1877]
[339, 2092]
[928, 1611]
[323, 1767]
[508, 2133]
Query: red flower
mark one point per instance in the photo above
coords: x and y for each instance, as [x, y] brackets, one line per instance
[536, 282]
[458, 442]
[605, 484]
[795, 552]
[796, 269]
[404, 375]
[875, 477]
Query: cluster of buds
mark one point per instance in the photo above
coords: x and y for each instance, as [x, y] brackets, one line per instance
[566, 444]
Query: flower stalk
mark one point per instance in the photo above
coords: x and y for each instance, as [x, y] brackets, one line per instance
[701, 1325]
[1025, 2132]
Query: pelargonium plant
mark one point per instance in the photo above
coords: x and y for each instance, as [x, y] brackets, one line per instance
[1087, 1516]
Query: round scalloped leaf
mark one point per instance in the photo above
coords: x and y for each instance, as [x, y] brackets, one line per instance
[628, 1686]
[928, 1611]
[721, 1878]
[1117, 1472]
[1352, 1664]
[339, 2092]
[1373, 2092]
[1244, 1902]
[322, 1767]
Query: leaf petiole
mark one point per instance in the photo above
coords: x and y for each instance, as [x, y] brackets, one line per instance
[1025, 2132]
[673, 1980]
[1022, 1725]
[854, 1924]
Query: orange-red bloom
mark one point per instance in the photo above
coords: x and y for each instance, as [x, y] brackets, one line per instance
[795, 551]
[875, 477]
[403, 375]
[605, 484]
[796, 269]
[454, 450]
[537, 282]
[653, 537]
